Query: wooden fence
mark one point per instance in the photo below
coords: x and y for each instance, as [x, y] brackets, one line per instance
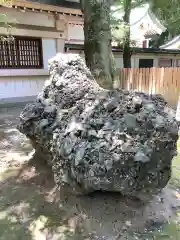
[164, 81]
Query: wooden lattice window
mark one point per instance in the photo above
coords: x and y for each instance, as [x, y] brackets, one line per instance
[22, 52]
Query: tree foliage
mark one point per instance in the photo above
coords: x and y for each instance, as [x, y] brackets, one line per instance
[127, 6]
[167, 12]
[120, 21]
[4, 20]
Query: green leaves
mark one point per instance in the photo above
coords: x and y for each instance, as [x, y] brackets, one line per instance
[168, 12]
[5, 22]
[3, 18]
[119, 28]
[6, 3]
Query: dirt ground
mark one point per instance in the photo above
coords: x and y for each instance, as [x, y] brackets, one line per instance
[31, 208]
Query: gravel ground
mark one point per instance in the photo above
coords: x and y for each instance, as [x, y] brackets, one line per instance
[14, 147]
[29, 205]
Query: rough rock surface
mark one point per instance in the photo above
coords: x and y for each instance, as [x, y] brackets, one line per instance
[96, 139]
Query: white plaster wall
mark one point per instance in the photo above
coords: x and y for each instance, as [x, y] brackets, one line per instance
[118, 60]
[136, 32]
[60, 45]
[49, 50]
[75, 32]
[133, 61]
[17, 87]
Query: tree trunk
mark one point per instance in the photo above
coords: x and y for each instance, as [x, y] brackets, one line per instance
[97, 40]
[127, 33]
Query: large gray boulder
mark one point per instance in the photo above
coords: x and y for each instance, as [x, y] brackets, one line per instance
[95, 139]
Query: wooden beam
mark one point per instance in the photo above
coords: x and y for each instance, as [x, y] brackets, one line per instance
[32, 33]
[38, 28]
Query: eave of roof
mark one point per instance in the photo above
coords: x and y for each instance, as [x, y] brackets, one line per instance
[80, 47]
[137, 16]
[156, 22]
[36, 6]
[174, 40]
[62, 3]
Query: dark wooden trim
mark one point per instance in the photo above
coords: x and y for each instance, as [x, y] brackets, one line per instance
[41, 54]
[76, 46]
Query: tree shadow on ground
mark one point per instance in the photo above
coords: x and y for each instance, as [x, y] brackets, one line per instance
[29, 208]
[28, 204]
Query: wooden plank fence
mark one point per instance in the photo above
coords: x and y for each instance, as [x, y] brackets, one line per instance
[164, 81]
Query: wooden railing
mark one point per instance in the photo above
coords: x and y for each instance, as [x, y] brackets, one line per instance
[164, 81]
